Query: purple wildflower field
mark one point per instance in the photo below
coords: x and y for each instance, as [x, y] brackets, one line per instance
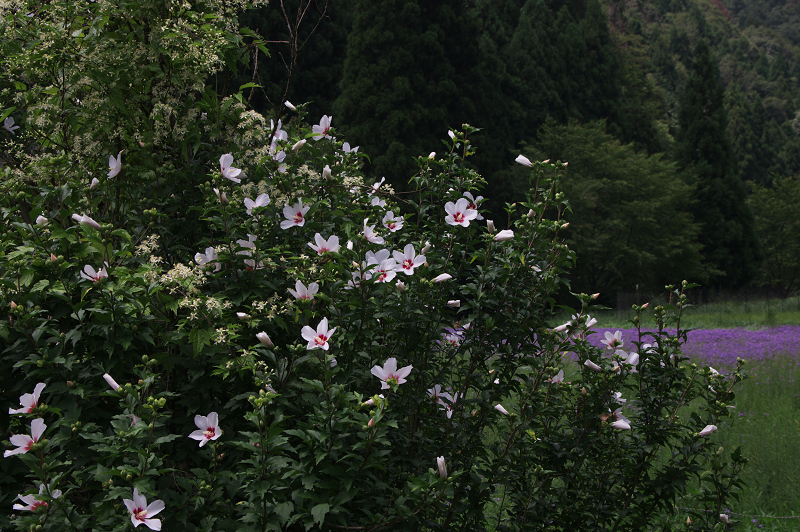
[720, 347]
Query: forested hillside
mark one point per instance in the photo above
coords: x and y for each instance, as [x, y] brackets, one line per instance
[697, 100]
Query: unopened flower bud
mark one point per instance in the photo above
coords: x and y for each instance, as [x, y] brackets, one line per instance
[442, 277]
[41, 221]
[500, 409]
[595, 296]
[524, 161]
[401, 286]
[242, 316]
[223, 199]
[289, 105]
[326, 172]
[94, 184]
[111, 382]
[371, 422]
[505, 234]
[490, 225]
[426, 248]
[431, 155]
[299, 144]
[53, 258]
[442, 467]
[455, 303]
[591, 365]
[531, 214]
[265, 339]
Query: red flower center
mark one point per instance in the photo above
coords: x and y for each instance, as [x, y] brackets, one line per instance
[458, 217]
[209, 433]
[321, 339]
[140, 514]
[298, 217]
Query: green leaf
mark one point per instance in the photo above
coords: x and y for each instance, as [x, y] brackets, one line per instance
[284, 511]
[319, 511]
[199, 338]
[165, 439]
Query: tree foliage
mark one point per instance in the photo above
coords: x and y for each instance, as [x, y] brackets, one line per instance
[151, 301]
[727, 231]
[777, 215]
[630, 224]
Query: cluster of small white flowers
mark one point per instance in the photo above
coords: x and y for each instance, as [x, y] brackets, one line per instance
[308, 175]
[192, 303]
[217, 306]
[155, 260]
[273, 306]
[147, 246]
[222, 336]
[178, 276]
[353, 182]
[151, 276]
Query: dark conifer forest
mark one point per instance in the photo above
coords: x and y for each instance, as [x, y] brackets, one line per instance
[679, 118]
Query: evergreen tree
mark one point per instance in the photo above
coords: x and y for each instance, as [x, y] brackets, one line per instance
[406, 80]
[730, 245]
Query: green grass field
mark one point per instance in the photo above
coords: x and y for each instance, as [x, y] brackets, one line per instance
[723, 315]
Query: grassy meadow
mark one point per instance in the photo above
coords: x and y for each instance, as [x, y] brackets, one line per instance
[766, 420]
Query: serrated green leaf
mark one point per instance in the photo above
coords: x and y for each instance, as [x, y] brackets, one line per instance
[319, 511]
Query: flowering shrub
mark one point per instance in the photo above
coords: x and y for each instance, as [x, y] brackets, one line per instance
[158, 304]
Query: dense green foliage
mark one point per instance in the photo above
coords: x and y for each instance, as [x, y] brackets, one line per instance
[628, 219]
[220, 281]
[727, 229]
[778, 218]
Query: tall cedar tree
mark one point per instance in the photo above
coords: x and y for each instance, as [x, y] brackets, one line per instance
[727, 229]
[560, 63]
[406, 80]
